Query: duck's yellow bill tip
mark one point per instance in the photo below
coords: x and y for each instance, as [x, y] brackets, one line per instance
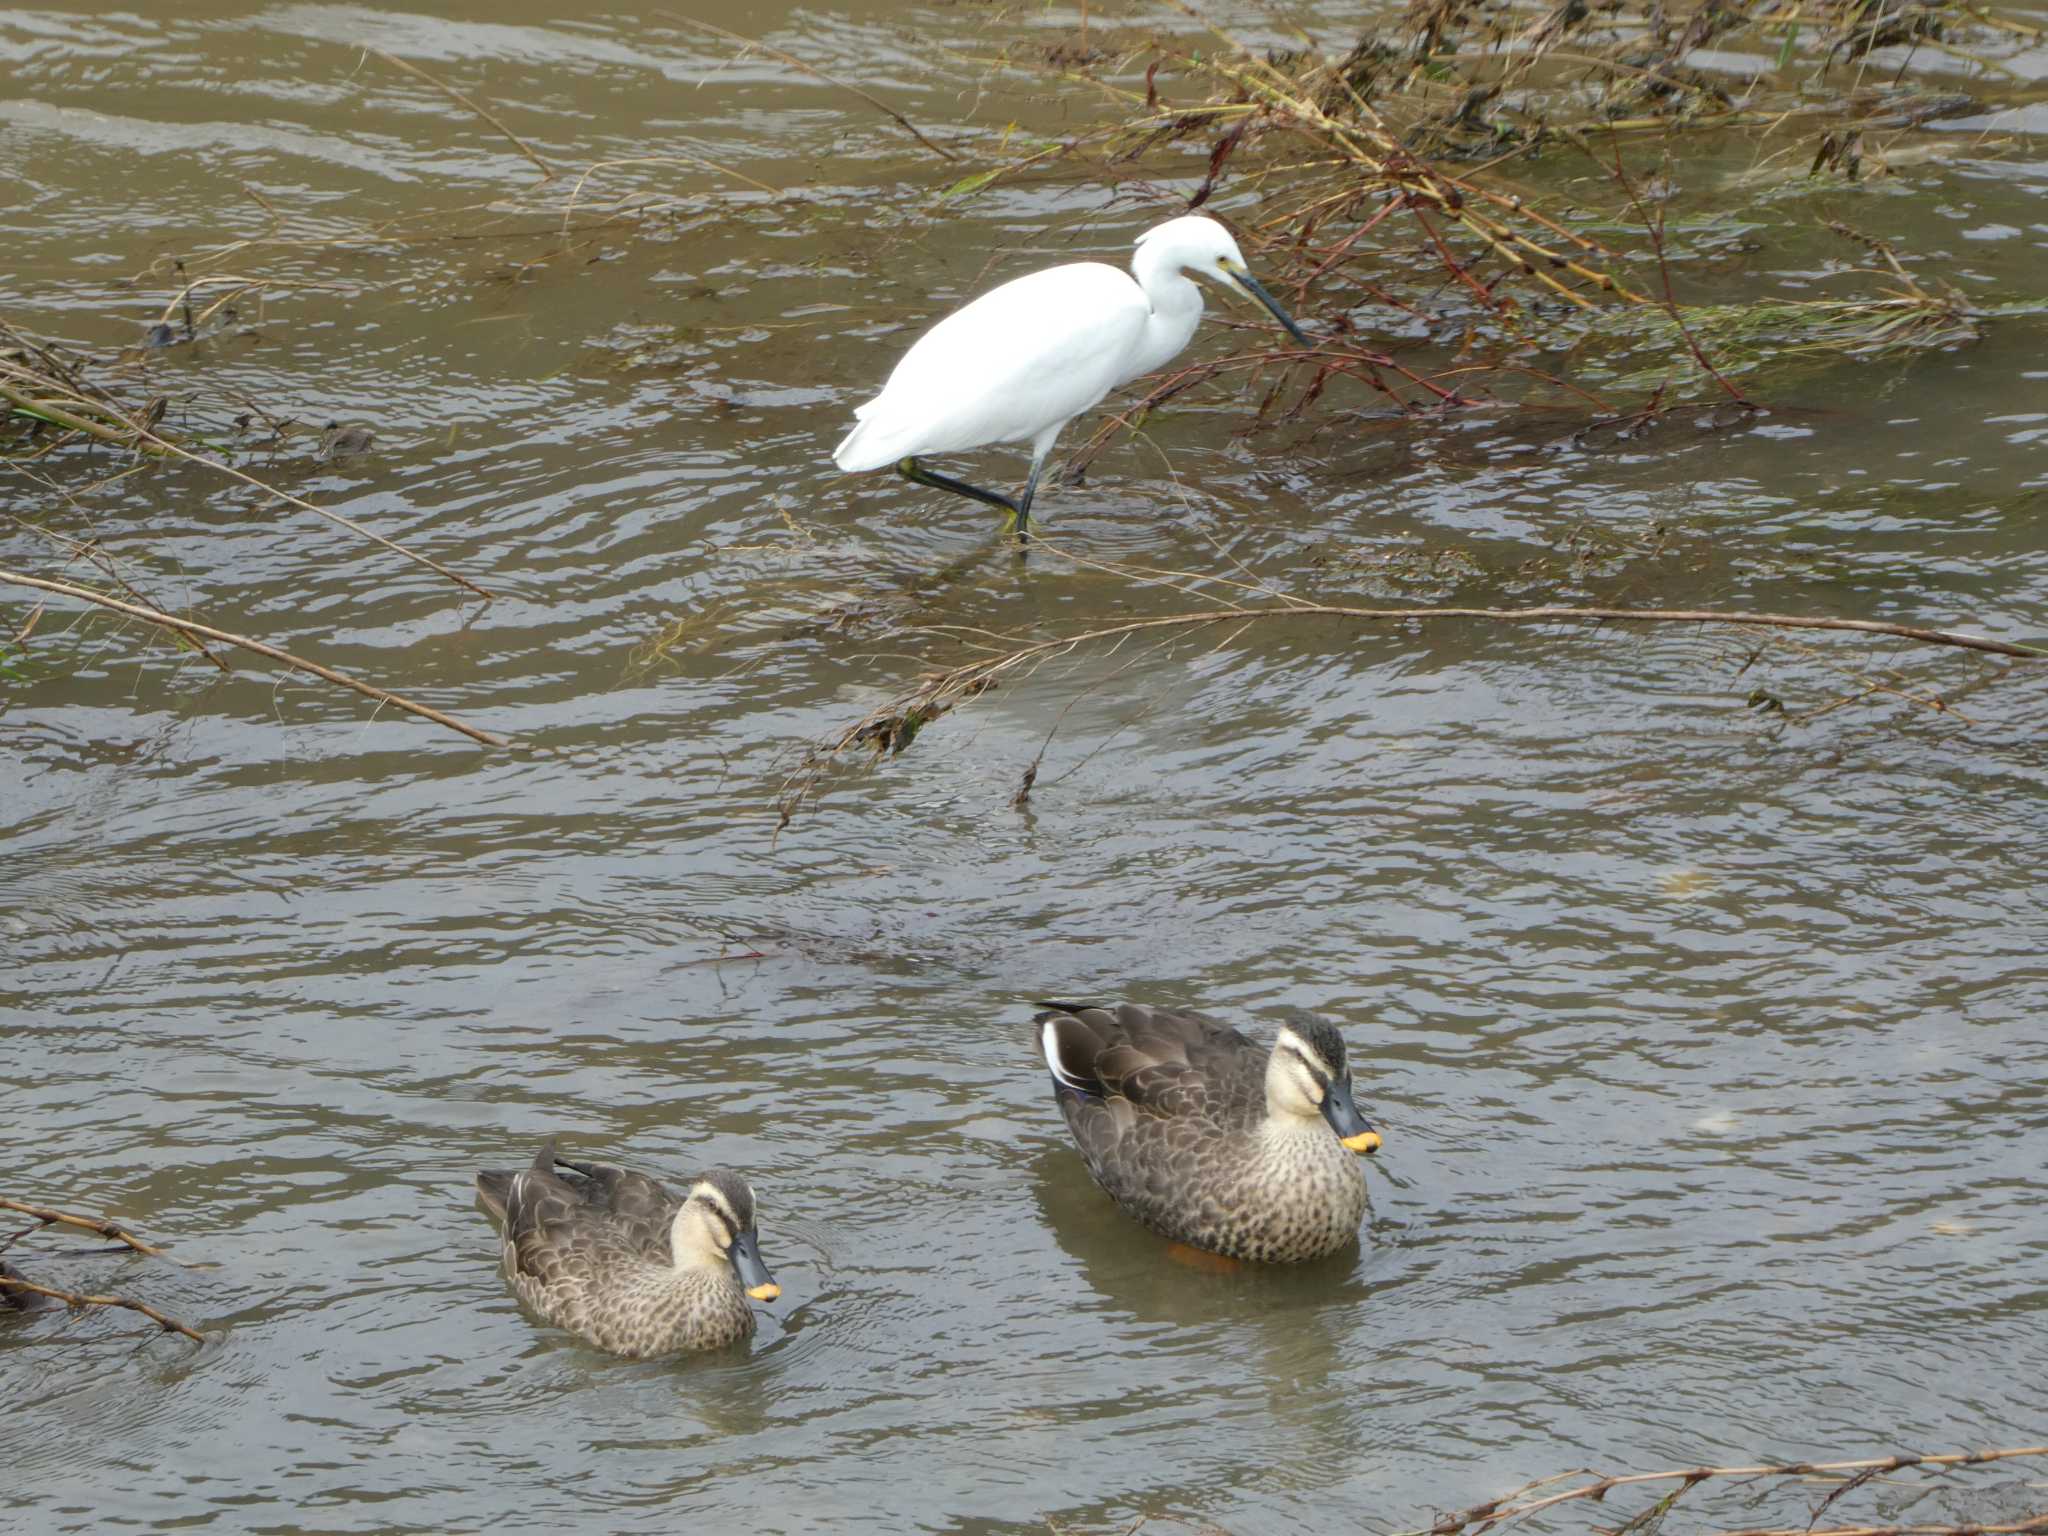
[1364, 1141]
[766, 1292]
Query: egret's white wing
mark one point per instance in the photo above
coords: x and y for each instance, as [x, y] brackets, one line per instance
[1021, 359]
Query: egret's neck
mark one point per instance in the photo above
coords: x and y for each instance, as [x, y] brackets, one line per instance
[1176, 308]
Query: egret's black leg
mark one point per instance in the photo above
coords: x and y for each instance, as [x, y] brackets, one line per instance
[911, 470]
[1024, 504]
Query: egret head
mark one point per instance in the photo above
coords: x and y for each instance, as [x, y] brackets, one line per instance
[1203, 248]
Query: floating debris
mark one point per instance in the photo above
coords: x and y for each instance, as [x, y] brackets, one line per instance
[340, 442]
[15, 1300]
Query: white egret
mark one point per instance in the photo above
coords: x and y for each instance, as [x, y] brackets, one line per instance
[1023, 360]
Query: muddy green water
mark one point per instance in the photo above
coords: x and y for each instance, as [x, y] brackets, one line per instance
[1708, 1040]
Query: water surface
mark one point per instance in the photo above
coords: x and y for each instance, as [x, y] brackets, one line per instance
[1707, 1036]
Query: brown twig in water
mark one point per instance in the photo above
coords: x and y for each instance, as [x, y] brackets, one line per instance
[192, 628]
[164, 445]
[48, 1217]
[576, 192]
[2026, 1527]
[74, 1298]
[66, 414]
[891, 727]
[1653, 226]
[83, 400]
[547, 172]
[1540, 615]
[810, 69]
[1483, 1517]
[100, 561]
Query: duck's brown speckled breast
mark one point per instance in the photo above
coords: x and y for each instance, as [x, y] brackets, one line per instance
[640, 1309]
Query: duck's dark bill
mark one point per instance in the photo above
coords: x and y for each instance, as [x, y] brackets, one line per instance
[746, 1260]
[1351, 1127]
[1257, 290]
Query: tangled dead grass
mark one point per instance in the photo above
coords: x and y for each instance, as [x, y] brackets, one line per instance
[985, 661]
[1503, 184]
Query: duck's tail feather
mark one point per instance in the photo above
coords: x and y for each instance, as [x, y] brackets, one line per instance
[1070, 1048]
[494, 1188]
[494, 1185]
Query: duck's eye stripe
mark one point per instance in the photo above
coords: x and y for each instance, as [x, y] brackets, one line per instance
[714, 1198]
[1314, 1069]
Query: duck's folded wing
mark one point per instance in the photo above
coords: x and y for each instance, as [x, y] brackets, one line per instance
[1166, 1090]
[640, 1209]
[577, 1254]
[499, 1187]
[1149, 1056]
[621, 1191]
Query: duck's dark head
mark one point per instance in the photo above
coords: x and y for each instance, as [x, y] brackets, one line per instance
[715, 1225]
[1309, 1075]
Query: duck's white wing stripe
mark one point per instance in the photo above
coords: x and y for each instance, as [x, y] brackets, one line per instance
[1049, 1041]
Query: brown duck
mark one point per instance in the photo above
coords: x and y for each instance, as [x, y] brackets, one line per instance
[1203, 1137]
[621, 1263]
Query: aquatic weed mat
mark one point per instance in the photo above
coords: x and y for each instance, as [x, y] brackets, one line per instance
[1568, 206]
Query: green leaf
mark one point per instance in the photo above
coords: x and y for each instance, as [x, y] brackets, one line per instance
[1785, 52]
[906, 730]
[967, 186]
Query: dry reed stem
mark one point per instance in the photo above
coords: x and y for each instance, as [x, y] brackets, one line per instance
[65, 414]
[891, 727]
[235, 285]
[547, 172]
[576, 192]
[1482, 1517]
[98, 1224]
[76, 1299]
[2027, 1527]
[810, 69]
[137, 433]
[98, 559]
[1297, 609]
[190, 627]
[164, 445]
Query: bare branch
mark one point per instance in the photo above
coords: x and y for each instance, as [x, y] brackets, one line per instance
[60, 395]
[547, 171]
[261, 648]
[74, 1298]
[165, 445]
[1482, 1517]
[810, 69]
[2026, 1527]
[97, 1224]
[891, 727]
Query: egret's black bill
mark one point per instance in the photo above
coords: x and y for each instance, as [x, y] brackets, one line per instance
[1257, 290]
[746, 1259]
[1352, 1128]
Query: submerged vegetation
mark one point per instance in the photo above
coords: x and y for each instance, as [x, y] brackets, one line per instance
[1546, 212]
[60, 396]
[1550, 203]
[1549, 213]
